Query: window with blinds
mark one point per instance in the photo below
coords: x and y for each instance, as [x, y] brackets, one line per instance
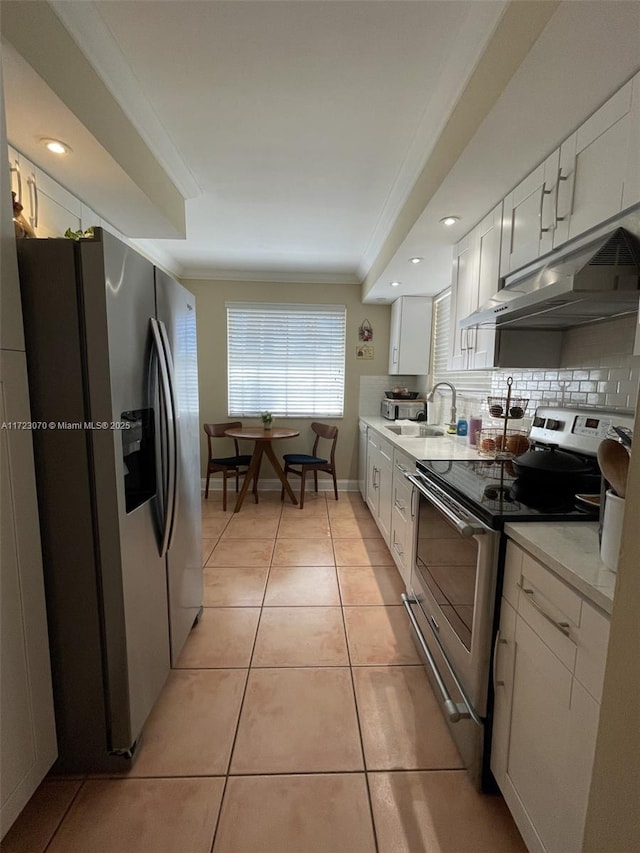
[286, 359]
[464, 380]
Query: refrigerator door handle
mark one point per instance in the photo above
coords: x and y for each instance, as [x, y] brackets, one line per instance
[166, 401]
[173, 432]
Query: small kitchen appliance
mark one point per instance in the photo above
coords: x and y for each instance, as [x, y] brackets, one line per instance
[456, 579]
[412, 410]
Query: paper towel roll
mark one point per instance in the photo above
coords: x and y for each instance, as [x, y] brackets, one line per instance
[611, 530]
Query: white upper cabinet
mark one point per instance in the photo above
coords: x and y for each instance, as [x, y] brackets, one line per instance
[55, 208]
[594, 175]
[599, 169]
[482, 342]
[47, 206]
[410, 335]
[23, 184]
[476, 277]
[462, 286]
[528, 217]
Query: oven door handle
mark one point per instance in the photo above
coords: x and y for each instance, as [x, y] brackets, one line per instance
[463, 526]
[455, 711]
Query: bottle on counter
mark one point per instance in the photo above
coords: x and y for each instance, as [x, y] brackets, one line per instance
[462, 426]
[475, 425]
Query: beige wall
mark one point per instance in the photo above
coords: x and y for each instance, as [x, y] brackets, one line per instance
[212, 356]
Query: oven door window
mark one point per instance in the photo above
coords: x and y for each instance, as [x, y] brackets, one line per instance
[447, 564]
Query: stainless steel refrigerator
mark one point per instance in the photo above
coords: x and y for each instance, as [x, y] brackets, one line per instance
[112, 363]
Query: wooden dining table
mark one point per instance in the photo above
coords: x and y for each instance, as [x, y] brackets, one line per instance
[262, 438]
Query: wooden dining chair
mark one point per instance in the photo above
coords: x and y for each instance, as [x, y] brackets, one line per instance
[228, 466]
[304, 462]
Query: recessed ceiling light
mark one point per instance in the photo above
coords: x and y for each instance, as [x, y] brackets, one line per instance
[450, 220]
[396, 283]
[55, 146]
[415, 260]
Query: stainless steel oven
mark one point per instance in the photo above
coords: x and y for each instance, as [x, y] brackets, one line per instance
[462, 507]
[450, 605]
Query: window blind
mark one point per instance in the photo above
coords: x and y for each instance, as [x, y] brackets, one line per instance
[464, 380]
[287, 359]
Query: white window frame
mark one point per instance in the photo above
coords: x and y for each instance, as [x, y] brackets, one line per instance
[472, 381]
[286, 358]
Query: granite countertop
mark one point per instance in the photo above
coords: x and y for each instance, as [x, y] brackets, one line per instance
[439, 447]
[572, 551]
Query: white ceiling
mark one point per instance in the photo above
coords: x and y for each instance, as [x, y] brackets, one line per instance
[295, 128]
[300, 131]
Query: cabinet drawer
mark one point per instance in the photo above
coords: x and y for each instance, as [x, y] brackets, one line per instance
[564, 599]
[551, 608]
[593, 641]
[386, 448]
[402, 464]
[402, 497]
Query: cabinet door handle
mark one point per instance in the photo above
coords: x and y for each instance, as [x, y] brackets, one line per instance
[33, 199]
[544, 192]
[400, 505]
[16, 168]
[398, 551]
[564, 627]
[560, 177]
[473, 333]
[413, 509]
[394, 358]
[401, 468]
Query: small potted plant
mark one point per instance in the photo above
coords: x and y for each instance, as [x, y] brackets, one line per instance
[266, 418]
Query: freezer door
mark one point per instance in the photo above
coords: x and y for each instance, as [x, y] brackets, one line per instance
[176, 310]
[133, 576]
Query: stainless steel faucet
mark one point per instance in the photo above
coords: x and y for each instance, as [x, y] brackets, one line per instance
[454, 418]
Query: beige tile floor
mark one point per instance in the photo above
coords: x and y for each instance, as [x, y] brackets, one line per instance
[298, 720]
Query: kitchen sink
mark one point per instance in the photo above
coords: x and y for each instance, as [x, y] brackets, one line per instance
[425, 432]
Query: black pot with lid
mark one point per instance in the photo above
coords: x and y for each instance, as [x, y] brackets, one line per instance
[550, 465]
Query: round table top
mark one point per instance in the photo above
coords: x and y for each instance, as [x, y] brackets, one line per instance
[261, 434]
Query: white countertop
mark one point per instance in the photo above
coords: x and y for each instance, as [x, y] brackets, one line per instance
[439, 447]
[572, 551]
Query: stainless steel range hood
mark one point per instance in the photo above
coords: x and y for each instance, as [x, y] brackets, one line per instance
[597, 280]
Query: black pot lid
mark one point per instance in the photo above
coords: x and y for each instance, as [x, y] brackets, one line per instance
[551, 459]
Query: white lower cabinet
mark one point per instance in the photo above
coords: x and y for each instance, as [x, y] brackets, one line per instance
[379, 481]
[548, 672]
[402, 515]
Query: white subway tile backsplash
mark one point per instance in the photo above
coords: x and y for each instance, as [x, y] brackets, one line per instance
[597, 369]
[619, 400]
[596, 399]
[627, 387]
